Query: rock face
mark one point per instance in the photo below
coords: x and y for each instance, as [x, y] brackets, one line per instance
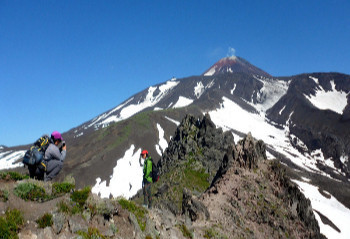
[246, 195]
[197, 138]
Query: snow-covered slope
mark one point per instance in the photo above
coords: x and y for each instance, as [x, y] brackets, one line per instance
[328, 100]
[8, 159]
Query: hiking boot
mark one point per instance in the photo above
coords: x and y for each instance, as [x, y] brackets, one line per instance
[145, 206]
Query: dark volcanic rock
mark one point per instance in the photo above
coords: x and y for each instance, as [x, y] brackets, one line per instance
[193, 208]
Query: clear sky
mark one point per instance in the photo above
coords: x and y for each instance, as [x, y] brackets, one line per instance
[64, 62]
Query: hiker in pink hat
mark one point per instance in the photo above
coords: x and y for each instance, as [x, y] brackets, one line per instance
[54, 156]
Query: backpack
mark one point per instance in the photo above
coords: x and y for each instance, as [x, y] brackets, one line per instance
[34, 156]
[155, 172]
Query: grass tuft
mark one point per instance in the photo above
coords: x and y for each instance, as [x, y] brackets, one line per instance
[10, 223]
[45, 221]
[138, 211]
[30, 191]
[14, 176]
[93, 233]
[62, 188]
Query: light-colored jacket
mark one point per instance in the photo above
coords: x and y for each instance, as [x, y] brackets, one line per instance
[53, 153]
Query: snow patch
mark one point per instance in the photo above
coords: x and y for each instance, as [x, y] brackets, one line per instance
[211, 71]
[281, 110]
[78, 135]
[233, 89]
[331, 207]
[163, 144]
[306, 179]
[344, 159]
[130, 110]
[329, 100]
[198, 89]
[210, 84]
[8, 159]
[172, 120]
[270, 93]
[126, 179]
[298, 142]
[182, 102]
[314, 79]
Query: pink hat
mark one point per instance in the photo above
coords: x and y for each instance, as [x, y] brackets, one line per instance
[56, 135]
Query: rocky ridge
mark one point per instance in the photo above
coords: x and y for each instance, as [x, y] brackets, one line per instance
[209, 187]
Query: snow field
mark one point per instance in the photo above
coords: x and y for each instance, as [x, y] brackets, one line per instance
[8, 159]
[126, 179]
[182, 102]
[231, 116]
[331, 208]
[329, 100]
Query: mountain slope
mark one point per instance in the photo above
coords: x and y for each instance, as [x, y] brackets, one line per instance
[303, 120]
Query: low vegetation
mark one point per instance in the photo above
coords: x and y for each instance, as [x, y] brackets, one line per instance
[185, 231]
[10, 224]
[4, 195]
[91, 234]
[30, 191]
[13, 176]
[62, 188]
[138, 211]
[80, 196]
[45, 220]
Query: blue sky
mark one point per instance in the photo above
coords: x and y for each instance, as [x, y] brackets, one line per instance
[64, 62]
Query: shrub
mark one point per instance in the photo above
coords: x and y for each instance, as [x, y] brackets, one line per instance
[185, 232]
[4, 195]
[30, 191]
[45, 221]
[212, 233]
[13, 176]
[62, 188]
[91, 234]
[139, 212]
[63, 207]
[10, 223]
[80, 196]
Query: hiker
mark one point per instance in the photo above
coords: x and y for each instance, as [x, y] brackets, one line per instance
[54, 156]
[147, 178]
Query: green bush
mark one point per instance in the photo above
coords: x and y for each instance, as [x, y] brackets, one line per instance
[30, 191]
[62, 188]
[10, 223]
[63, 207]
[139, 212]
[13, 176]
[45, 221]
[80, 196]
[93, 233]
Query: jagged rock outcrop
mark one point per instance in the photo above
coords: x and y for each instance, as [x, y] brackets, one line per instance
[197, 138]
[247, 196]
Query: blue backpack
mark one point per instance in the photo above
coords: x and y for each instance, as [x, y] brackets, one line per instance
[34, 156]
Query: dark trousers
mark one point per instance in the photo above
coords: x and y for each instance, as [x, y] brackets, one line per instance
[147, 196]
[53, 167]
[36, 173]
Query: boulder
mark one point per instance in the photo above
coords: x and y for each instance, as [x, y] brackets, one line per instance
[193, 208]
